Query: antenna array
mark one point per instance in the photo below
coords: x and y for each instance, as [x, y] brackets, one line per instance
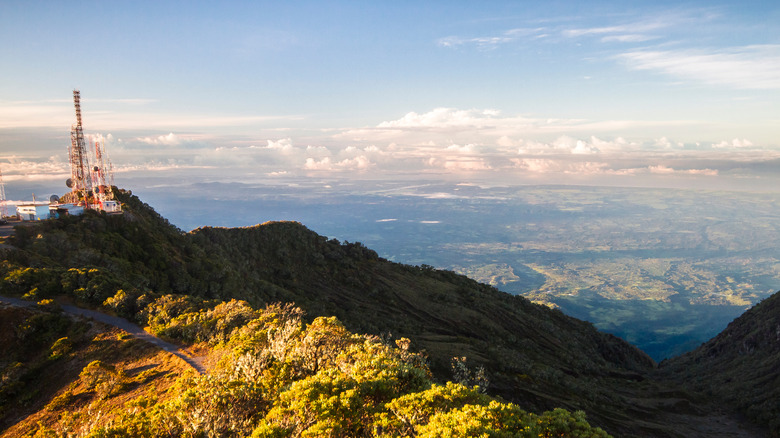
[79, 180]
[90, 185]
[3, 205]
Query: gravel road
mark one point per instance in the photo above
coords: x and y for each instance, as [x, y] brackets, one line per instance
[129, 327]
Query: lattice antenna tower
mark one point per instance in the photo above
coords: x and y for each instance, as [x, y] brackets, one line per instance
[102, 173]
[3, 204]
[79, 163]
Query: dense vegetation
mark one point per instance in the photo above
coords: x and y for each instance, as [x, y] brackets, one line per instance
[207, 286]
[279, 377]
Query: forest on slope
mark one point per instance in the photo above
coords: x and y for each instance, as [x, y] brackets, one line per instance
[664, 269]
[139, 266]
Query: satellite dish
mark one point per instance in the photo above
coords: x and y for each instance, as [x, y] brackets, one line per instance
[69, 183]
[53, 199]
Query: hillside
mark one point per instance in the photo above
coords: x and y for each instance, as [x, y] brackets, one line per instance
[740, 365]
[141, 267]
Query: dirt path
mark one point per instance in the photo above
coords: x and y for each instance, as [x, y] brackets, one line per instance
[134, 330]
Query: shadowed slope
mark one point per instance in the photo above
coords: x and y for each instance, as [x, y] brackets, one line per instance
[741, 366]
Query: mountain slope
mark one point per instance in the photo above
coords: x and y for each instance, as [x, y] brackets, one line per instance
[741, 366]
[533, 355]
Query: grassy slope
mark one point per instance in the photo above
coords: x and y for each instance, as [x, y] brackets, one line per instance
[535, 356]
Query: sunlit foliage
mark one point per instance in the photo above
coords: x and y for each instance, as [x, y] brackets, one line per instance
[280, 377]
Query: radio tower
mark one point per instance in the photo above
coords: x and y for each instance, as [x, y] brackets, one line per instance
[3, 206]
[102, 175]
[79, 180]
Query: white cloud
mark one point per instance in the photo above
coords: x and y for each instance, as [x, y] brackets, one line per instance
[706, 172]
[467, 149]
[166, 140]
[583, 148]
[284, 145]
[660, 169]
[443, 141]
[506, 141]
[459, 164]
[630, 30]
[735, 143]
[326, 164]
[323, 164]
[486, 126]
[443, 118]
[538, 165]
[628, 38]
[491, 42]
[748, 67]
[645, 28]
[317, 151]
[35, 170]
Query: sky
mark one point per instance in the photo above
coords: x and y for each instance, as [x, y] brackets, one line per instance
[621, 93]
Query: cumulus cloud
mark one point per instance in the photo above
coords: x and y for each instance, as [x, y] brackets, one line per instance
[284, 145]
[538, 165]
[357, 163]
[170, 139]
[660, 169]
[547, 165]
[467, 149]
[459, 164]
[707, 172]
[735, 143]
[443, 118]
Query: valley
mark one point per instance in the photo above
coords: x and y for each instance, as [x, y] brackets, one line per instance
[664, 269]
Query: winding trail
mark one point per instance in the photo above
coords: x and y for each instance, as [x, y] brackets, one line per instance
[134, 330]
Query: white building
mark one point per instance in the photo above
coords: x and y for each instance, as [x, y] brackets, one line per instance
[32, 212]
[110, 206]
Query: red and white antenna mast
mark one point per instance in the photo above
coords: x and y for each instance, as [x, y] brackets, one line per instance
[79, 163]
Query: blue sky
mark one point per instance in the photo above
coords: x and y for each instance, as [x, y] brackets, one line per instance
[618, 93]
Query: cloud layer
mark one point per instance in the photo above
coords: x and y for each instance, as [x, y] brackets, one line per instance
[448, 142]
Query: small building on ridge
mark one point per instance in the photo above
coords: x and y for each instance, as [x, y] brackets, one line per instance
[33, 212]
